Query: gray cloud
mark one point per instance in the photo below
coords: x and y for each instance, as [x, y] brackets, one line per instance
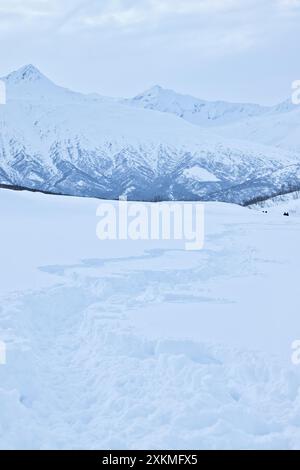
[212, 48]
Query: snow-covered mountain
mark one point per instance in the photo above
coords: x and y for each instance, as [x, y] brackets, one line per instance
[195, 110]
[277, 125]
[29, 84]
[279, 128]
[55, 140]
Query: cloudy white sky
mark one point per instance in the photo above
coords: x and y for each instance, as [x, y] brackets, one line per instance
[238, 50]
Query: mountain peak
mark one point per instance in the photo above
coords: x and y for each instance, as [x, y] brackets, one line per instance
[155, 90]
[28, 73]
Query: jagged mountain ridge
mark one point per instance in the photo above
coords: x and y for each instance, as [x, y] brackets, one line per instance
[195, 110]
[277, 125]
[56, 140]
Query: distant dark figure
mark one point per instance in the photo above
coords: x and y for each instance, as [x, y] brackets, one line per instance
[286, 214]
[265, 212]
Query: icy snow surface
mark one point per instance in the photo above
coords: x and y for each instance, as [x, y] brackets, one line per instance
[142, 344]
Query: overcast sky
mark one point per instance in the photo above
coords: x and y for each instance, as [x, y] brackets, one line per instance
[237, 50]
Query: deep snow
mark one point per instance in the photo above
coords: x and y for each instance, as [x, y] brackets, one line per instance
[123, 344]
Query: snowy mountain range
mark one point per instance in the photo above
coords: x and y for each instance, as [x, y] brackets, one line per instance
[194, 110]
[277, 126]
[158, 145]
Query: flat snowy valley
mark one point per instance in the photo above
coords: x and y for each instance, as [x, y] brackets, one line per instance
[135, 344]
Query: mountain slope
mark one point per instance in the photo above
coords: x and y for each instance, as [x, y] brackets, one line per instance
[276, 126]
[280, 128]
[54, 140]
[193, 109]
[29, 84]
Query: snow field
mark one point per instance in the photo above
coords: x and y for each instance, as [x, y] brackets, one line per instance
[139, 346]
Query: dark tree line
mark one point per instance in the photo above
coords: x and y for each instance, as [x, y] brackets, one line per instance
[284, 190]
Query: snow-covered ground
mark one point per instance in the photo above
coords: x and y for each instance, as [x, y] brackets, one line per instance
[123, 344]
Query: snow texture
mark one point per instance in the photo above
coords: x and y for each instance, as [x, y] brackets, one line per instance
[127, 345]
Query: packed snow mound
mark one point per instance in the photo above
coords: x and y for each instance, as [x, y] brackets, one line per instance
[59, 141]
